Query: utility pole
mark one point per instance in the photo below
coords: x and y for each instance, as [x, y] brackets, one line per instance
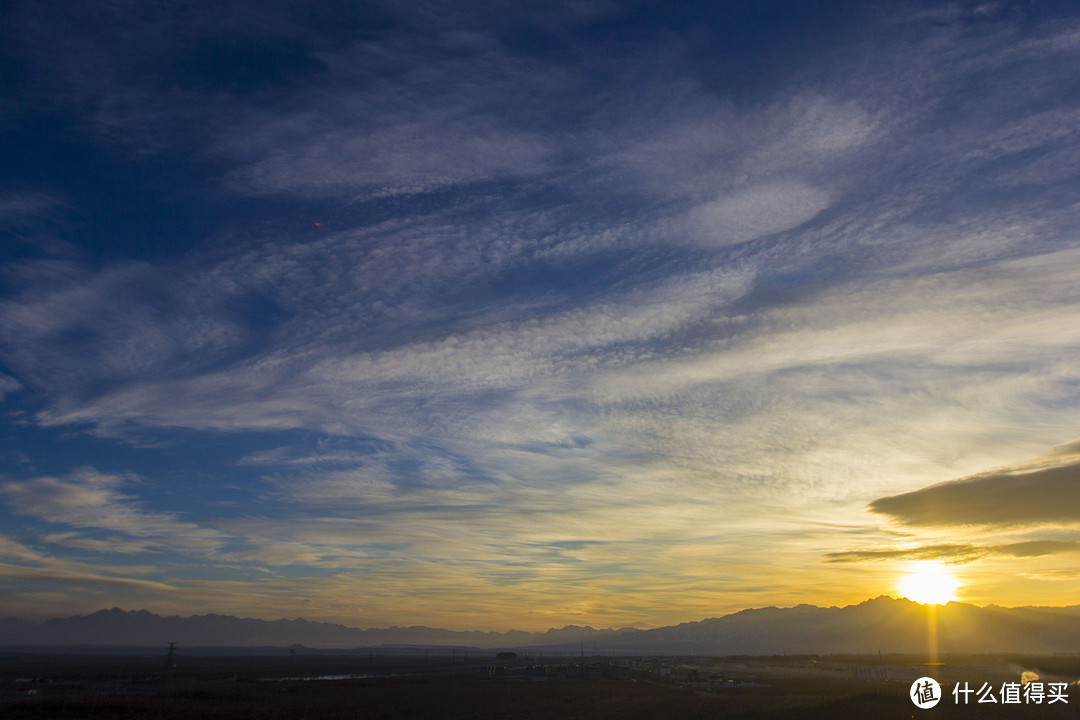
[169, 660]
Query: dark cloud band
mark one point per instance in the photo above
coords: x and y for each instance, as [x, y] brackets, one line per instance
[958, 553]
[1049, 494]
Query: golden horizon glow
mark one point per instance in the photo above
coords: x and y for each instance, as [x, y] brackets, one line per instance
[928, 583]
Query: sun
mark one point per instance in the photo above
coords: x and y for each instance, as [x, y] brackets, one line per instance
[928, 583]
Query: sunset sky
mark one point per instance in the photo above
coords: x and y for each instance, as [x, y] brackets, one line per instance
[519, 315]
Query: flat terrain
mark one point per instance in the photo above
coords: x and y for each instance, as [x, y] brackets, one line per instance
[312, 685]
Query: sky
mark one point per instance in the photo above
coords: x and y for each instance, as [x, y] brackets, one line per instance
[520, 315]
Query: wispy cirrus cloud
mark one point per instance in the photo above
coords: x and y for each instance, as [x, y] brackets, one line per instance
[21, 562]
[8, 385]
[418, 155]
[18, 208]
[92, 500]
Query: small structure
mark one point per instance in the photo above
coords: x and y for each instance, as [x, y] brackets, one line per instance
[169, 660]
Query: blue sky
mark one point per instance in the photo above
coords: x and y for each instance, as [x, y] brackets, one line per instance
[492, 316]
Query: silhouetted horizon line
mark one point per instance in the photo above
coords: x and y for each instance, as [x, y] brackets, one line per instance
[623, 628]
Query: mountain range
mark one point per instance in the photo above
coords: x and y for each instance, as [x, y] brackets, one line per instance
[883, 624]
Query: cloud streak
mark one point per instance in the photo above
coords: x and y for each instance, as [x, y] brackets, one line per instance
[89, 499]
[959, 553]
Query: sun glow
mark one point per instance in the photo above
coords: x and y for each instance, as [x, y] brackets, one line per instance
[928, 583]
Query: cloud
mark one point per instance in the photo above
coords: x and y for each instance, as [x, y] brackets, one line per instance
[416, 156]
[1065, 576]
[949, 552]
[1036, 548]
[89, 499]
[33, 219]
[958, 553]
[18, 208]
[8, 385]
[336, 386]
[78, 329]
[1047, 493]
[327, 452]
[1065, 450]
[124, 545]
[44, 575]
[941, 318]
[20, 562]
[400, 117]
[758, 211]
[682, 142]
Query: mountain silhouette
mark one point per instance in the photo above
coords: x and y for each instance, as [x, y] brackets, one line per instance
[883, 624]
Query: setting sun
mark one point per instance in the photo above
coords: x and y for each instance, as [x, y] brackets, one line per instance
[928, 583]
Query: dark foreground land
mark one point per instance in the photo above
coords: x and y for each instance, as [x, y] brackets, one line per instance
[311, 685]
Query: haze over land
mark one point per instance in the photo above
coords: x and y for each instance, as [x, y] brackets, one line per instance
[611, 314]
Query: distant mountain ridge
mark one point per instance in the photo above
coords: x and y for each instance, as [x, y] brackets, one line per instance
[882, 624]
[139, 627]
